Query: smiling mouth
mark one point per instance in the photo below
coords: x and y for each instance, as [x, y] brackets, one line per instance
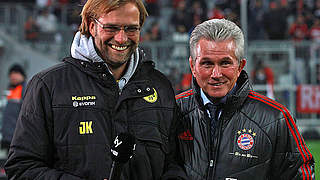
[119, 48]
[217, 84]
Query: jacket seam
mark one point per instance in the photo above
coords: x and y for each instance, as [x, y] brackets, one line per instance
[84, 108]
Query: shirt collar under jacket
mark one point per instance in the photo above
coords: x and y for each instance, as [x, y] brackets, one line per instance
[206, 100]
[83, 48]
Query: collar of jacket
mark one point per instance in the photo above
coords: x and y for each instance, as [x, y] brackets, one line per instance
[95, 69]
[234, 100]
[99, 71]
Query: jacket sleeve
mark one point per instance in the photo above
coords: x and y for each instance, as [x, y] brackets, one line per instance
[292, 159]
[174, 165]
[31, 151]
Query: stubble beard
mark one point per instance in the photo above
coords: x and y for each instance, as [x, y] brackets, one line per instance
[116, 63]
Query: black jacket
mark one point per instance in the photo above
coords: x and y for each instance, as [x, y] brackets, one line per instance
[256, 138]
[72, 112]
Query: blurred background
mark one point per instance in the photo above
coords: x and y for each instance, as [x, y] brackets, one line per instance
[282, 45]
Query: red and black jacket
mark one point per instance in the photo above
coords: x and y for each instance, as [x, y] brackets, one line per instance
[256, 138]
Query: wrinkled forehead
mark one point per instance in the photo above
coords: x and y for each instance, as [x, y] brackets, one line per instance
[205, 46]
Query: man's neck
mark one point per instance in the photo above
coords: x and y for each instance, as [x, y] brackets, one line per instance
[206, 98]
[118, 72]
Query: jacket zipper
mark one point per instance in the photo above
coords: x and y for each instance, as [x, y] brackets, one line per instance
[217, 145]
[211, 161]
[214, 154]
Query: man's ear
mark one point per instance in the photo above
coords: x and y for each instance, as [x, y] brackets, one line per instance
[191, 63]
[92, 28]
[242, 64]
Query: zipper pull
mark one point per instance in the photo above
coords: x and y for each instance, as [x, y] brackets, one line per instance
[211, 163]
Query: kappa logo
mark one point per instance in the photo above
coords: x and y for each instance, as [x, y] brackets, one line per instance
[83, 101]
[83, 98]
[152, 98]
[245, 140]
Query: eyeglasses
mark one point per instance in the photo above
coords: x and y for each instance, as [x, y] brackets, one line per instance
[111, 29]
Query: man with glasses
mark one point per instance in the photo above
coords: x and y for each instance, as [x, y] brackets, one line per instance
[73, 111]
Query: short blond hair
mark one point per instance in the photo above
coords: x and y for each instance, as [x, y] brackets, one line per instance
[95, 8]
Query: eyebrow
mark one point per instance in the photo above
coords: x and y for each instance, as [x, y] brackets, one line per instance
[205, 59]
[226, 59]
[110, 24]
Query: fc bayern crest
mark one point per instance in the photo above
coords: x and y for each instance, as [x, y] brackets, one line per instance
[245, 141]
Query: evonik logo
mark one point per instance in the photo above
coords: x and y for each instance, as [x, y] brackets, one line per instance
[76, 104]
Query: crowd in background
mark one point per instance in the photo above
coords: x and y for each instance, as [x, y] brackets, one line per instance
[267, 19]
[174, 20]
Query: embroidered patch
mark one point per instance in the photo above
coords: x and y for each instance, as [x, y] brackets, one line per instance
[83, 100]
[245, 140]
[152, 98]
[186, 136]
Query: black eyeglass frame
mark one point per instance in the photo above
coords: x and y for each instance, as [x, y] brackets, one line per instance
[113, 29]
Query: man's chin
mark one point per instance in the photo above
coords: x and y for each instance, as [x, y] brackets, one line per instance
[217, 95]
[116, 64]
[118, 60]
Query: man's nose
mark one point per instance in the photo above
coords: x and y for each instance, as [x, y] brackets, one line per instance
[216, 72]
[121, 37]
